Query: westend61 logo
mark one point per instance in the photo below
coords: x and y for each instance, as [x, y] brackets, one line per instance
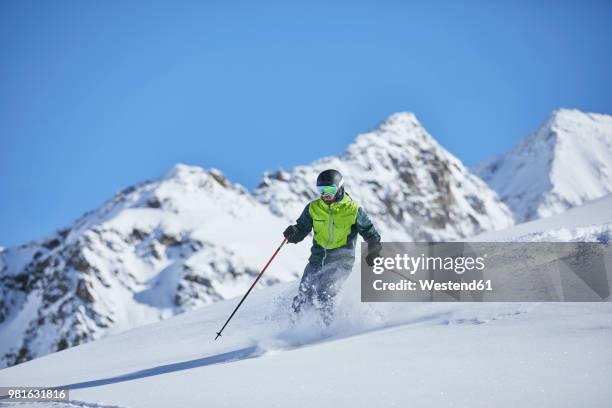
[412, 264]
[488, 272]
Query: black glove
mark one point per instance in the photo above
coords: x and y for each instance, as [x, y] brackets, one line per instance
[291, 233]
[374, 249]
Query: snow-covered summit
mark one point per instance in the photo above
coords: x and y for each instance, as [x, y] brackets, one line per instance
[412, 186]
[567, 161]
[399, 129]
[196, 177]
[400, 121]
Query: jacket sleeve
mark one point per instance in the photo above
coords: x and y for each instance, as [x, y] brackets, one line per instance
[367, 230]
[304, 224]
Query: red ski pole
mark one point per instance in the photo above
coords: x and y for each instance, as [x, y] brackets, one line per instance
[251, 288]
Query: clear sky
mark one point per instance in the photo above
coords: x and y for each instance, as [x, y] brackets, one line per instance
[98, 95]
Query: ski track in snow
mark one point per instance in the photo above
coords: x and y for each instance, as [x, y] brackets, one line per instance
[308, 332]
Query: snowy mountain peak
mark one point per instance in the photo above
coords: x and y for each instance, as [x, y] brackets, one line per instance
[411, 185]
[567, 161]
[569, 119]
[184, 173]
[182, 169]
[400, 120]
[397, 129]
[197, 177]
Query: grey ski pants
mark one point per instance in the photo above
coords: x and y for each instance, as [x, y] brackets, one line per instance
[321, 283]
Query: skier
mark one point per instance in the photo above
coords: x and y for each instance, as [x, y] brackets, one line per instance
[336, 219]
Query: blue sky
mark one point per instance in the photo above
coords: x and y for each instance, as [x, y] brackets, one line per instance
[96, 96]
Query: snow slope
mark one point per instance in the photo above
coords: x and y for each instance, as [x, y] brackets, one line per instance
[591, 222]
[373, 354]
[421, 355]
[565, 163]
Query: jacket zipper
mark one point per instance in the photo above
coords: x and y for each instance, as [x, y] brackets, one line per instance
[330, 228]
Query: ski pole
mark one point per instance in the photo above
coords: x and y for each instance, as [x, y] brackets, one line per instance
[251, 288]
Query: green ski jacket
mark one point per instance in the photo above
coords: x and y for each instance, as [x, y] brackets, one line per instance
[335, 226]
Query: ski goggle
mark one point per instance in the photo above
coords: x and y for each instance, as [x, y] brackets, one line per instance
[327, 190]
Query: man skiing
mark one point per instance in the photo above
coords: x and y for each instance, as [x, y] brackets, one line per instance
[336, 220]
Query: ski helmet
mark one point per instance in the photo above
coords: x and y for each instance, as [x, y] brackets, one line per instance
[331, 177]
